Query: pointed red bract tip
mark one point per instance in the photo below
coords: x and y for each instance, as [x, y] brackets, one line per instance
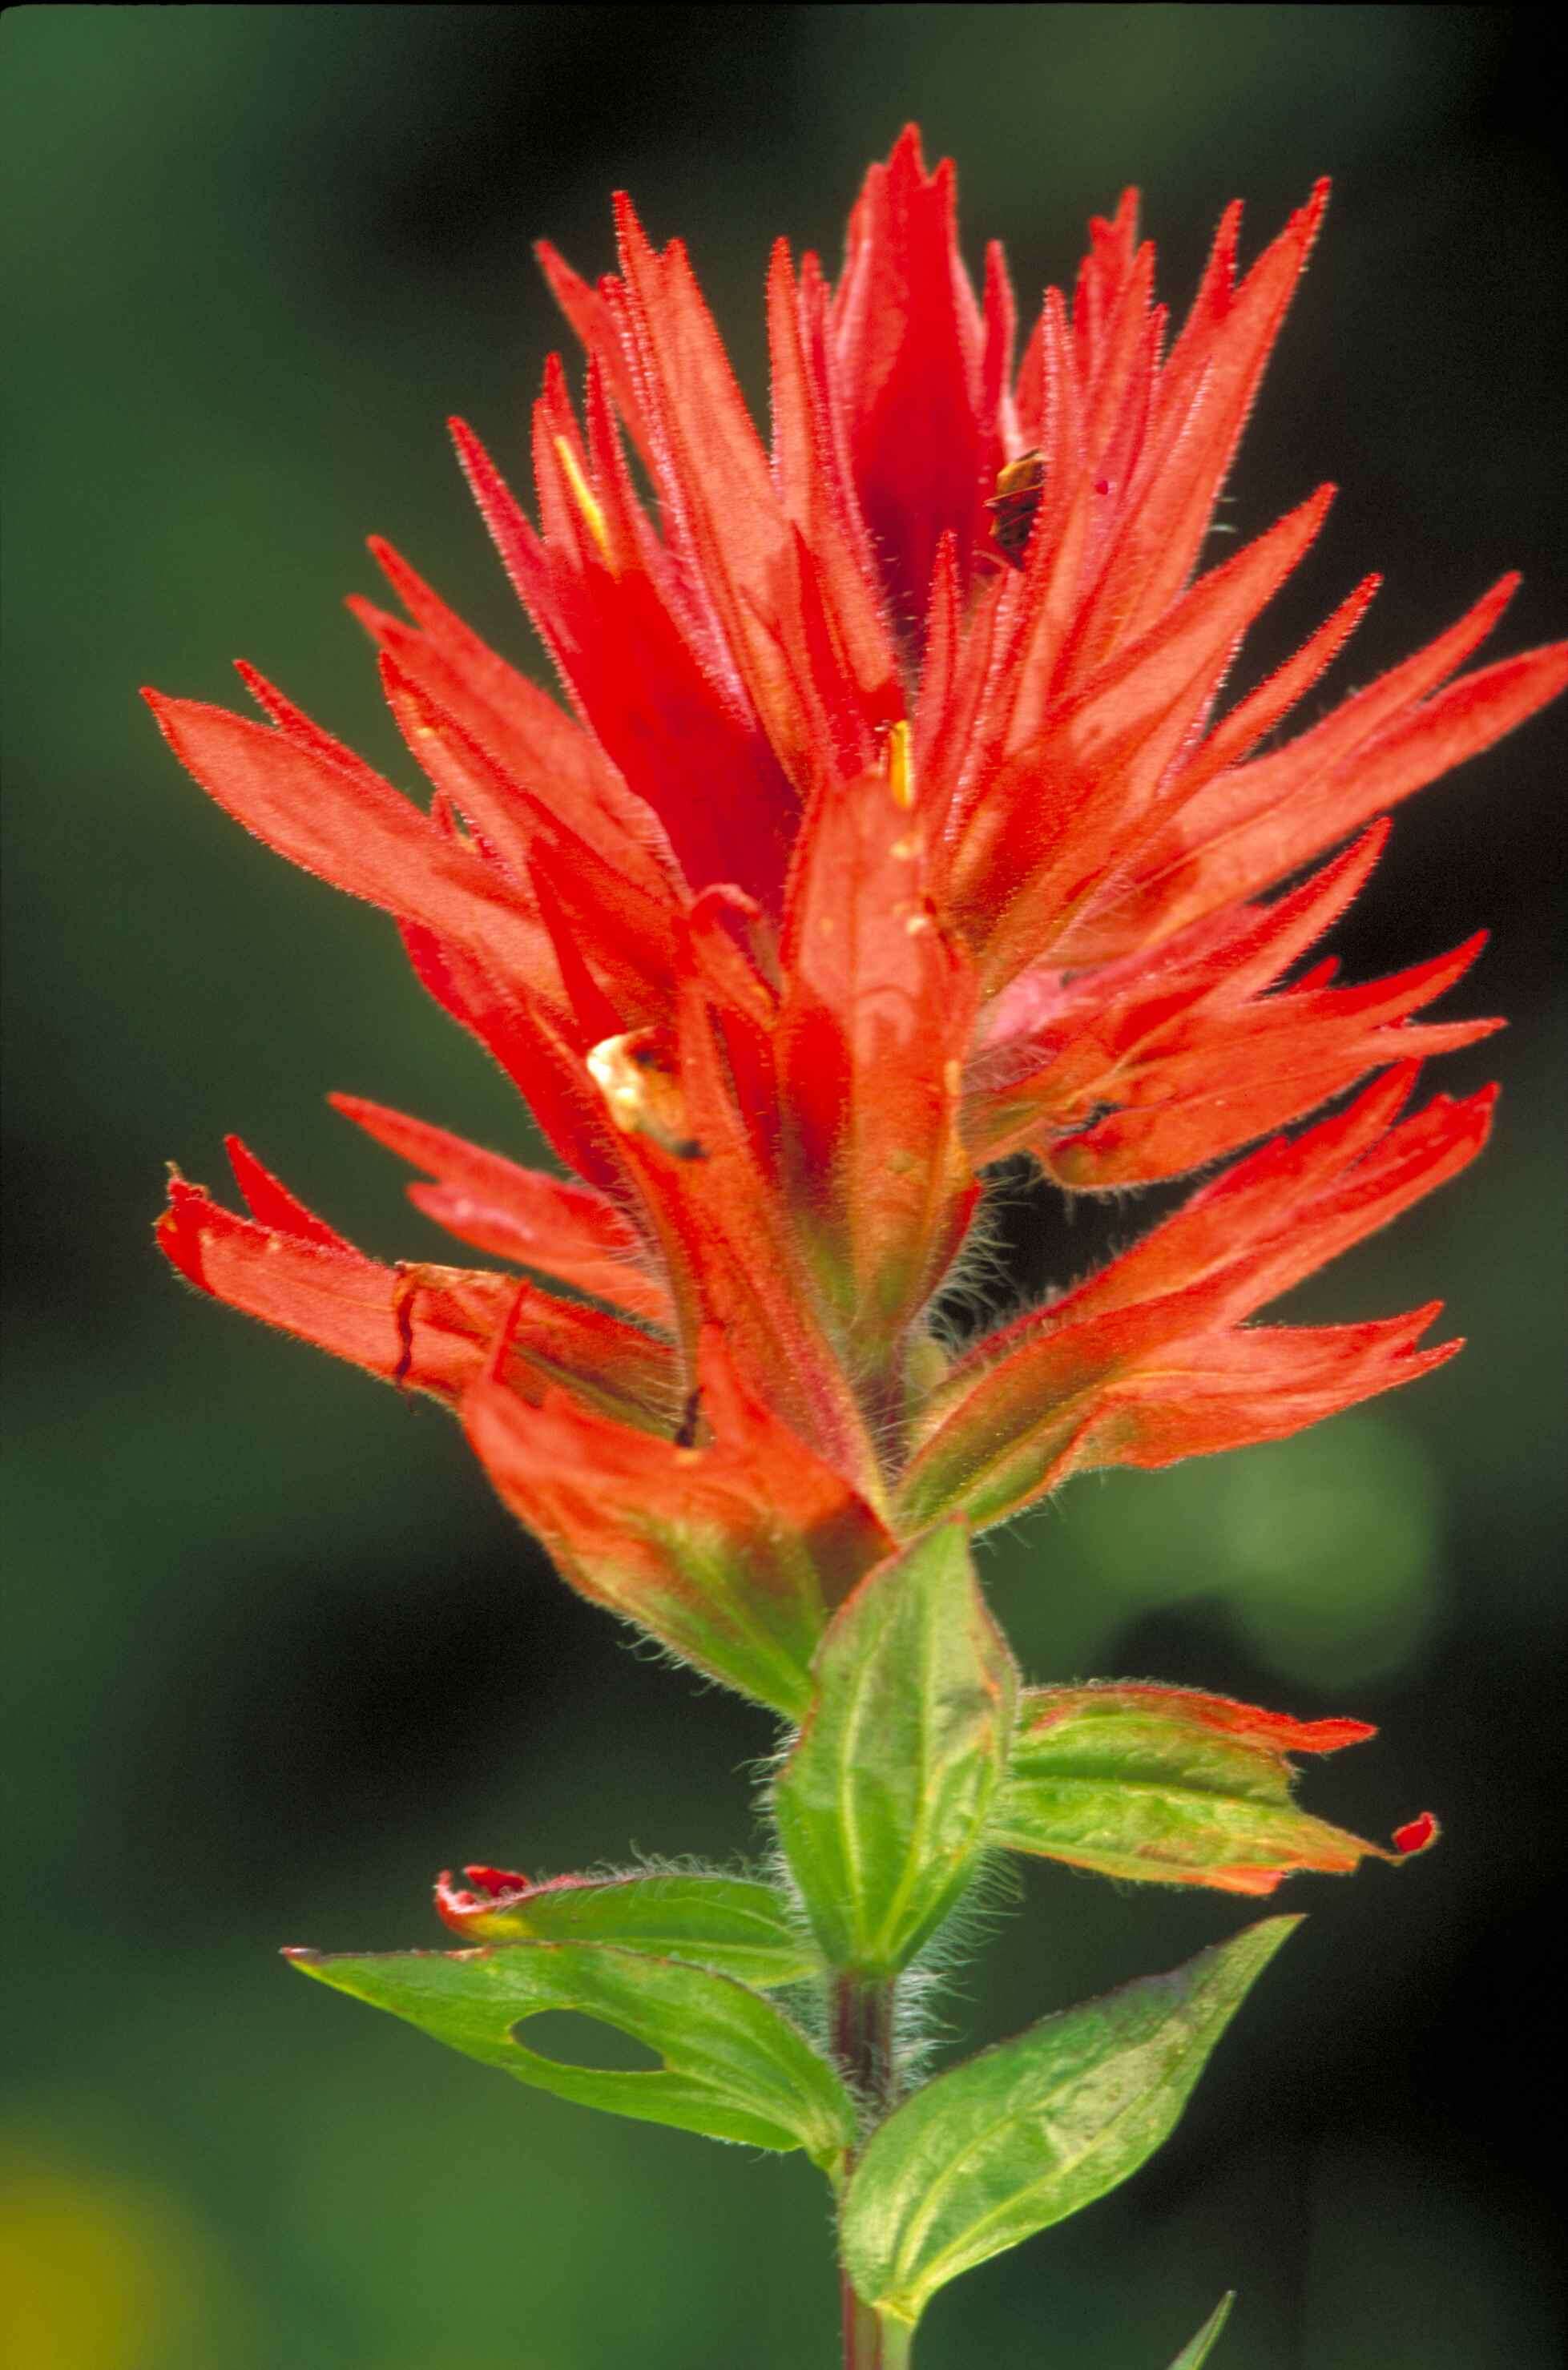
[298, 1950]
[1418, 1836]
[1330, 1735]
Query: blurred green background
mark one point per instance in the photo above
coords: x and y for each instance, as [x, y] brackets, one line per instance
[278, 1655]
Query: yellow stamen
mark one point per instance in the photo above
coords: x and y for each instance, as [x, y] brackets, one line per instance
[582, 494]
[900, 773]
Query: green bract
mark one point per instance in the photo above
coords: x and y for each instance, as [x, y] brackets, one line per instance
[883, 1804]
[1158, 1784]
[734, 2067]
[1027, 2133]
[727, 1924]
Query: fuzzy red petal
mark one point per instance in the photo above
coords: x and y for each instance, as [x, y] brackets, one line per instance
[565, 1230]
[1143, 1363]
[876, 1012]
[732, 1254]
[329, 1294]
[329, 813]
[733, 1553]
[909, 349]
[659, 699]
[428, 1329]
[520, 726]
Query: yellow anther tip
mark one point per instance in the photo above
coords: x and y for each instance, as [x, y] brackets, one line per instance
[900, 770]
[582, 494]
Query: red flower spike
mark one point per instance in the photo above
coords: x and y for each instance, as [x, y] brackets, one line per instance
[900, 823]
[1166, 1786]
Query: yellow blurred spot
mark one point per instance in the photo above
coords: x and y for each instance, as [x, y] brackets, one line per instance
[98, 2274]
[582, 494]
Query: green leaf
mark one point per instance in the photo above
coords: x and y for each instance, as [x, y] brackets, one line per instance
[883, 1802]
[1030, 2131]
[727, 1924]
[1169, 1785]
[1194, 2354]
[735, 2067]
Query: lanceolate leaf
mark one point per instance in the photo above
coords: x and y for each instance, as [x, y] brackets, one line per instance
[883, 1804]
[1029, 2133]
[734, 2067]
[1172, 1787]
[1194, 2354]
[727, 1924]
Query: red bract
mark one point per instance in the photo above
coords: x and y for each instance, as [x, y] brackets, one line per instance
[886, 834]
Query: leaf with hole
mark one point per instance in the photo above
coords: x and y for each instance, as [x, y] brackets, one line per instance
[734, 2067]
[883, 1802]
[1032, 2131]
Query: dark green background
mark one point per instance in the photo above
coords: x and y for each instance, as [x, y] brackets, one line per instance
[279, 1655]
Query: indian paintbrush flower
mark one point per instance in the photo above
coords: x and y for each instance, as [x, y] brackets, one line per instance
[896, 826]
[893, 828]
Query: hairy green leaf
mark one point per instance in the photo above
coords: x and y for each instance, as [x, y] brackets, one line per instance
[1028, 2133]
[883, 1804]
[1168, 1786]
[735, 2067]
[1197, 2351]
[729, 1923]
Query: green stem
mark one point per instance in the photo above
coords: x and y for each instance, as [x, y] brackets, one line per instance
[871, 2341]
[862, 2043]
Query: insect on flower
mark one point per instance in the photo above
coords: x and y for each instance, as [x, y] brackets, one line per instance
[1015, 505]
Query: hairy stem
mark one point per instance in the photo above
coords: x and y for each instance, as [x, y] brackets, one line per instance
[870, 2343]
[862, 2043]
